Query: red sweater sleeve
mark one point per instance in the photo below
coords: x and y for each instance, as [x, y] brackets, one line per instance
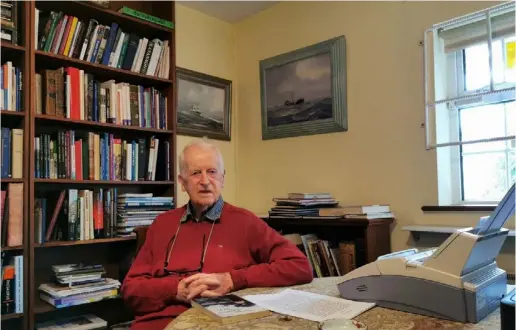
[280, 262]
[141, 291]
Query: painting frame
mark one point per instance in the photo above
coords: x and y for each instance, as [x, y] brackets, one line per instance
[336, 48]
[210, 81]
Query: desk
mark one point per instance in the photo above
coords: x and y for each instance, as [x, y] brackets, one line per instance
[375, 318]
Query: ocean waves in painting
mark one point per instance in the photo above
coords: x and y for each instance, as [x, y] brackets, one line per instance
[316, 109]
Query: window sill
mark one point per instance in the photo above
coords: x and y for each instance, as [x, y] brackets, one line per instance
[417, 229]
[458, 208]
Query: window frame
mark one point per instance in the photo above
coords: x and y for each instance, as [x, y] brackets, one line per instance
[456, 85]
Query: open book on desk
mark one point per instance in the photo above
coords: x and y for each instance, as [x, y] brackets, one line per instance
[310, 306]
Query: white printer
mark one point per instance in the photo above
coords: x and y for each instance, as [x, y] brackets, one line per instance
[457, 281]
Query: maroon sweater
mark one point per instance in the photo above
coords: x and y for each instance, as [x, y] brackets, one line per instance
[242, 244]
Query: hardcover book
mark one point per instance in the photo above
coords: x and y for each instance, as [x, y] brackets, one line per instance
[230, 308]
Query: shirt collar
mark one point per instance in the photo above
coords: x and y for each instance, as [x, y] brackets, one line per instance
[211, 214]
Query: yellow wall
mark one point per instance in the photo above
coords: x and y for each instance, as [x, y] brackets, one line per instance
[382, 158]
[206, 44]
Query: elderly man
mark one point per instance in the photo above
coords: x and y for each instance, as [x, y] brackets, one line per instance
[205, 248]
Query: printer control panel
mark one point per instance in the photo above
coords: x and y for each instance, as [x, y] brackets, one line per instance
[418, 258]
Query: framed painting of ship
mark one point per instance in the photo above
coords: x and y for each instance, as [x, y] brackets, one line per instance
[303, 92]
[203, 105]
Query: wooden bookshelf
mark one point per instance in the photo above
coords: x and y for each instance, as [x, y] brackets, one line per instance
[91, 241]
[100, 126]
[11, 316]
[8, 113]
[17, 118]
[115, 253]
[11, 47]
[56, 60]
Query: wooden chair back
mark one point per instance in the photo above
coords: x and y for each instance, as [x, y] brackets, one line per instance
[141, 235]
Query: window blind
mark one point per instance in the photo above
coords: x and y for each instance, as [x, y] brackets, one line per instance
[473, 29]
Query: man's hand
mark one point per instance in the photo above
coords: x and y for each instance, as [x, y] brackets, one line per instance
[209, 285]
[187, 291]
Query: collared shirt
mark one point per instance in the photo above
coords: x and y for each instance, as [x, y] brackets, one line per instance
[212, 214]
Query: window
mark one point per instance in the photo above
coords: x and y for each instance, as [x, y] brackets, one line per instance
[473, 108]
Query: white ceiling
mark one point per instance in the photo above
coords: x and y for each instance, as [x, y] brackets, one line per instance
[229, 11]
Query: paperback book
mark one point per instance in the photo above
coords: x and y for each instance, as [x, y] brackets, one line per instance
[230, 308]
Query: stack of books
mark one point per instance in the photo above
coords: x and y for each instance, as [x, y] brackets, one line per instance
[301, 205]
[135, 210]
[77, 284]
[324, 206]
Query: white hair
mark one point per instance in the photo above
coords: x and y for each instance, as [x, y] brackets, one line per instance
[205, 144]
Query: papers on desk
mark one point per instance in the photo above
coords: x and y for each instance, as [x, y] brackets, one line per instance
[310, 306]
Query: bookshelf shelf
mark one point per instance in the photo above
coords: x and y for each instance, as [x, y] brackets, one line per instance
[102, 182]
[107, 126]
[12, 48]
[42, 306]
[46, 59]
[11, 180]
[12, 113]
[11, 316]
[84, 242]
[12, 248]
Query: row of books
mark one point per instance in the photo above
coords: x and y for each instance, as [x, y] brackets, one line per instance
[326, 258]
[93, 156]
[12, 153]
[324, 206]
[105, 44]
[135, 210]
[11, 83]
[12, 284]
[77, 284]
[11, 215]
[78, 215]
[90, 214]
[70, 92]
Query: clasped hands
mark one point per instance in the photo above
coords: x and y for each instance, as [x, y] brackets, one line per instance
[204, 285]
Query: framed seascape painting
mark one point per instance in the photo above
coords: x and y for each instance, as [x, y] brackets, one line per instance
[203, 105]
[303, 92]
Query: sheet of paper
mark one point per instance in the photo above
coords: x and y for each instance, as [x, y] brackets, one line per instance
[510, 287]
[310, 306]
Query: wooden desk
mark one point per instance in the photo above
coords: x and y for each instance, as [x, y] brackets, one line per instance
[376, 318]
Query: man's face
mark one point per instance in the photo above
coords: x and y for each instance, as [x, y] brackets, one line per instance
[203, 179]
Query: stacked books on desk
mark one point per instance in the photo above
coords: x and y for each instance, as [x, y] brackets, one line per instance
[77, 284]
[134, 210]
[324, 206]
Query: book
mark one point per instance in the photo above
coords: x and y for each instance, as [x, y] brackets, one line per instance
[146, 17]
[80, 322]
[230, 308]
